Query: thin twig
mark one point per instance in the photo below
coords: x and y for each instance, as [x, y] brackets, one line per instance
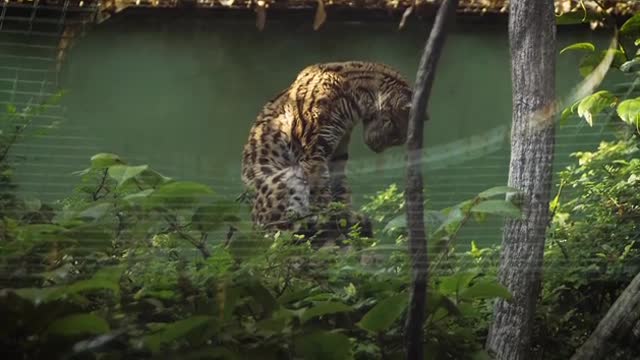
[103, 181]
[200, 245]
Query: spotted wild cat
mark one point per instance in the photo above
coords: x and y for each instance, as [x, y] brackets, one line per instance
[296, 153]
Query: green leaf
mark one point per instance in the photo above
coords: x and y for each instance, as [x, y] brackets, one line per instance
[631, 66]
[453, 284]
[384, 314]
[107, 278]
[124, 173]
[498, 190]
[577, 17]
[137, 198]
[497, 207]
[104, 160]
[452, 221]
[629, 111]
[79, 324]
[594, 104]
[631, 27]
[324, 308]
[566, 113]
[323, 345]
[485, 289]
[178, 194]
[554, 204]
[570, 18]
[171, 332]
[153, 178]
[37, 295]
[11, 109]
[94, 212]
[399, 222]
[583, 46]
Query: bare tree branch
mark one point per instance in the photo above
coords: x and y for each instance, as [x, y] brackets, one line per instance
[414, 188]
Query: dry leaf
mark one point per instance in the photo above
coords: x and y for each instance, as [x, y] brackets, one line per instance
[261, 17]
[321, 16]
[405, 16]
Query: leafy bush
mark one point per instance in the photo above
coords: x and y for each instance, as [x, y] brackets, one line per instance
[624, 59]
[136, 264]
[593, 246]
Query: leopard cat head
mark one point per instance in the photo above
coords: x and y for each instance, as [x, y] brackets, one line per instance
[387, 125]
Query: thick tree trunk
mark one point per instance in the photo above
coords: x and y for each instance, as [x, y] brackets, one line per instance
[414, 191]
[533, 53]
[619, 330]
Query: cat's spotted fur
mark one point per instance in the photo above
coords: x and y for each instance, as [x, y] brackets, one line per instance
[297, 149]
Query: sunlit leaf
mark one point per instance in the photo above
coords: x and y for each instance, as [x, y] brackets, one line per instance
[629, 111]
[583, 46]
[104, 160]
[554, 204]
[323, 345]
[11, 109]
[79, 324]
[124, 173]
[594, 104]
[324, 308]
[384, 313]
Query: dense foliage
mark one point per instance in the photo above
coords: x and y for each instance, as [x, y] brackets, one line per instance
[622, 57]
[136, 264]
[593, 246]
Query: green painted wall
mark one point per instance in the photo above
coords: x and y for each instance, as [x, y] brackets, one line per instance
[181, 95]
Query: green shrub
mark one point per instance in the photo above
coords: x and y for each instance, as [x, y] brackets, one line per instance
[593, 244]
